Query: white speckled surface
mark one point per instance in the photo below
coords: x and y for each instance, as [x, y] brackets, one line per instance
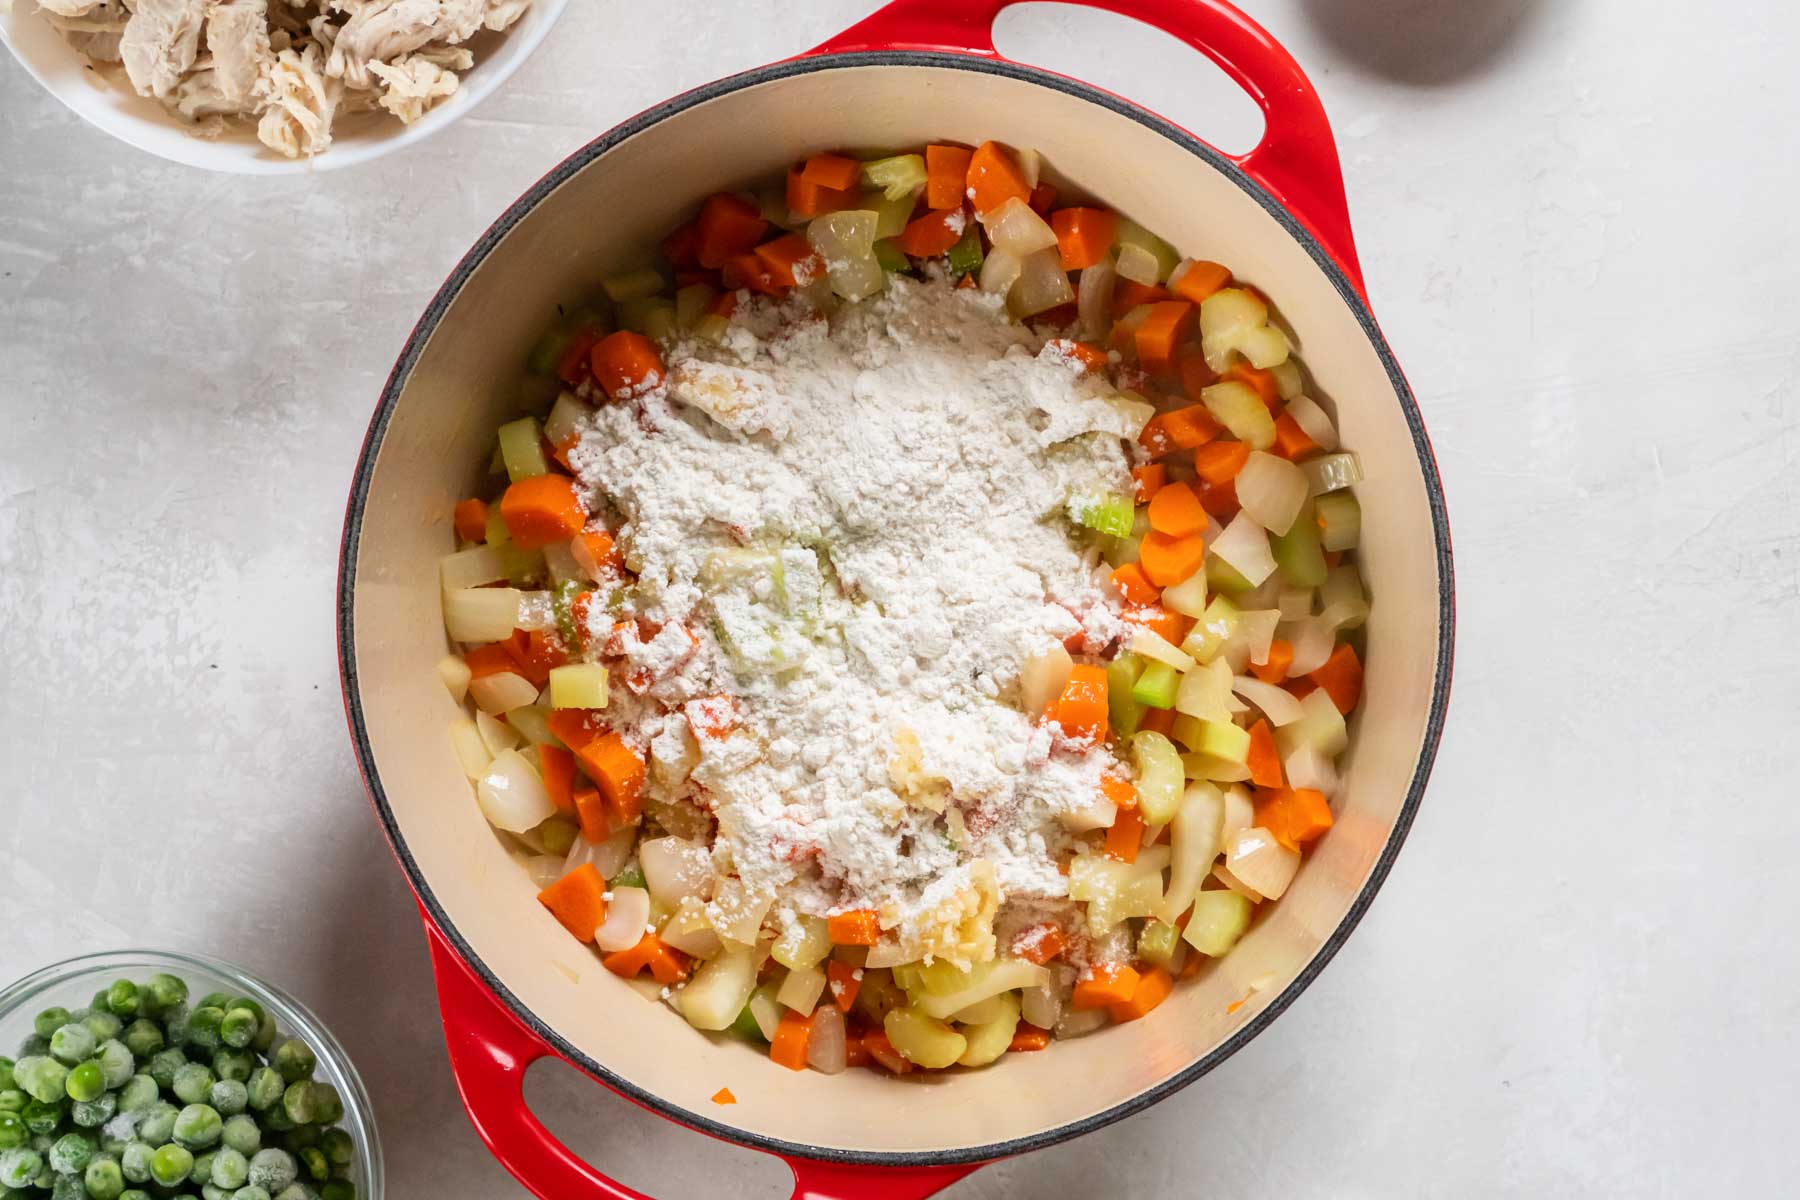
[1577, 219]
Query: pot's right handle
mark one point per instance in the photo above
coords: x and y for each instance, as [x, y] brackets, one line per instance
[1297, 159]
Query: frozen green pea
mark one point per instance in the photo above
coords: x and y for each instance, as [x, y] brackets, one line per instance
[230, 1168]
[175, 1024]
[191, 1084]
[338, 1189]
[203, 1028]
[275, 1119]
[338, 1147]
[104, 1180]
[102, 1024]
[134, 1161]
[229, 1096]
[301, 1101]
[218, 1000]
[13, 1100]
[19, 1167]
[137, 1194]
[157, 1125]
[331, 1105]
[92, 1114]
[143, 1038]
[251, 1192]
[164, 1064]
[42, 1119]
[198, 1126]
[162, 992]
[265, 1086]
[295, 1060]
[6, 1066]
[117, 1063]
[300, 1137]
[72, 1043]
[70, 1153]
[202, 1172]
[313, 1160]
[296, 1191]
[122, 999]
[170, 1165]
[44, 1079]
[266, 1033]
[242, 1134]
[13, 1133]
[234, 1064]
[49, 1021]
[85, 1082]
[238, 1028]
[67, 1187]
[139, 1093]
[272, 1170]
[213, 1191]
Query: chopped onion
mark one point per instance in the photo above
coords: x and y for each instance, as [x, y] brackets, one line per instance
[1321, 726]
[826, 1046]
[1099, 813]
[737, 911]
[1223, 874]
[627, 914]
[502, 691]
[1307, 768]
[1042, 677]
[1203, 691]
[1313, 422]
[1252, 637]
[1041, 286]
[543, 870]
[1344, 586]
[843, 235]
[1277, 703]
[533, 721]
[1150, 644]
[1317, 636]
[1332, 472]
[511, 795]
[1095, 301]
[481, 614]
[1041, 1005]
[675, 869]
[886, 954]
[455, 674]
[716, 995]
[475, 567]
[1079, 1022]
[1272, 491]
[1261, 862]
[537, 610]
[497, 736]
[567, 416]
[608, 855]
[1193, 844]
[564, 567]
[470, 752]
[999, 271]
[1032, 164]
[1138, 264]
[801, 990]
[1240, 814]
[767, 1012]
[1189, 596]
[1015, 228]
[1294, 604]
[688, 931]
[1244, 547]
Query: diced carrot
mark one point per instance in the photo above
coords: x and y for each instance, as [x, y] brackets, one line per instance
[1043, 198]
[1341, 677]
[1105, 985]
[724, 1096]
[1190, 427]
[544, 652]
[619, 771]
[1261, 382]
[1081, 709]
[789, 258]
[932, 234]
[1292, 442]
[626, 362]
[1169, 560]
[1264, 760]
[561, 451]
[1195, 375]
[470, 518]
[1176, 511]
[882, 1051]
[1155, 439]
[995, 177]
[946, 175]
[1220, 462]
[808, 199]
[665, 963]
[1084, 236]
[1171, 627]
[1135, 586]
[1158, 720]
[749, 272]
[577, 900]
[1281, 654]
[833, 171]
[1119, 790]
[590, 811]
[595, 550]
[727, 225]
[575, 367]
[1058, 318]
[1092, 358]
[1333, 558]
[1150, 480]
[1027, 1038]
[1220, 500]
[1040, 943]
[844, 981]
[1125, 835]
[1199, 280]
[1299, 689]
[1153, 987]
[542, 509]
[1160, 333]
[1295, 817]
[788, 1046]
[855, 1053]
[723, 305]
[576, 728]
[1130, 293]
[682, 247]
[711, 717]
[493, 659]
[557, 766]
[858, 927]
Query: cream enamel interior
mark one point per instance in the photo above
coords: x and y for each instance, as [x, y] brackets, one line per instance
[463, 386]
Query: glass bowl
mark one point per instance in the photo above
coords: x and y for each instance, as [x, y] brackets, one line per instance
[72, 985]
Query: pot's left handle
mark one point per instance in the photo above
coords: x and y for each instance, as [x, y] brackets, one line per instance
[490, 1051]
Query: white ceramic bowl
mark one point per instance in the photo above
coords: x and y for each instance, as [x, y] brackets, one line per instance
[111, 105]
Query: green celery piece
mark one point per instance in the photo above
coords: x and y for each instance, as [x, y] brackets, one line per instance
[1111, 513]
[633, 285]
[1221, 576]
[891, 216]
[898, 177]
[649, 315]
[1340, 520]
[1125, 711]
[1297, 553]
[1130, 233]
[1158, 943]
[1219, 920]
[889, 255]
[547, 353]
[562, 603]
[1157, 686]
[522, 448]
[965, 257]
[745, 1027]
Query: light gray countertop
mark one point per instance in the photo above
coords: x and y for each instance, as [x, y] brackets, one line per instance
[1577, 219]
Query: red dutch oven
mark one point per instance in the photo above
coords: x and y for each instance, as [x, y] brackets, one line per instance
[513, 986]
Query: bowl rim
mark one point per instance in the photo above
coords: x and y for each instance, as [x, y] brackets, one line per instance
[289, 1009]
[191, 151]
[477, 255]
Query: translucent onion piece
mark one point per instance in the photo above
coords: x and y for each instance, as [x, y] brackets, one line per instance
[502, 691]
[1099, 813]
[1096, 298]
[1159, 776]
[511, 795]
[608, 855]
[1277, 703]
[1042, 677]
[1041, 286]
[1153, 645]
[564, 567]
[676, 869]
[719, 989]
[857, 278]
[1307, 768]
[1240, 814]
[568, 414]
[1041, 1006]
[804, 943]
[1262, 863]
[1189, 596]
[737, 911]
[537, 610]
[455, 675]
[497, 736]
[1252, 637]
[1032, 164]
[766, 1010]
[471, 754]
[1317, 636]
[1193, 844]
[1313, 422]
[1244, 547]
[1294, 604]
[1015, 228]
[801, 989]
[1203, 691]
[627, 914]
[1223, 874]
[826, 1045]
[533, 722]
[885, 954]
[1138, 265]
[481, 614]
[999, 271]
[1272, 490]
[843, 235]
[475, 567]
[1079, 1022]
[1344, 586]
[1332, 472]
[1321, 727]
[689, 932]
[543, 870]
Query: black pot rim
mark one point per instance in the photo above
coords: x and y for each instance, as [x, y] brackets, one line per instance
[359, 498]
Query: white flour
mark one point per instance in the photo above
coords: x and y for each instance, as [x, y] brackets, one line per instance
[864, 524]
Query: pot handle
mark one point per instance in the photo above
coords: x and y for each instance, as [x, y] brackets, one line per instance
[490, 1051]
[1297, 159]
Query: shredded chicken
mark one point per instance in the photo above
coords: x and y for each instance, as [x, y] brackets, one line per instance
[291, 66]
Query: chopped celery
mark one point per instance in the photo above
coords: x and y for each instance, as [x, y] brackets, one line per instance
[578, 685]
[965, 257]
[888, 254]
[1143, 257]
[648, 315]
[898, 177]
[1219, 920]
[1340, 520]
[692, 303]
[1222, 739]
[562, 602]
[1121, 677]
[1213, 629]
[1215, 770]
[496, 462]
[1221, 576]
[522, 449]
[746, 1028]
[1344, 585]
[546, 354]
[923, 1040]
[989, 1039]
[1159, 775]
[1237, 407]
[1160, 943]
[1297, 552]
[1332, 472]
[633, 285]
[891, 216]
[1116, 891]
[1156, 686]
[1111, 513]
